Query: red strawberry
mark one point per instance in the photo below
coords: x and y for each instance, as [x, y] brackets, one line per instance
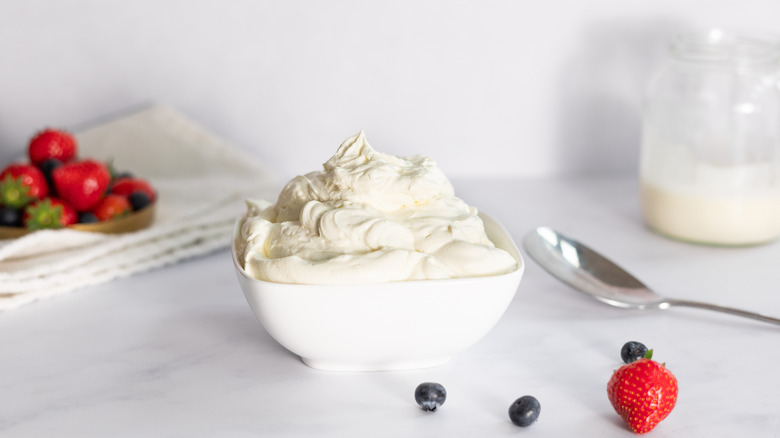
[127, 186]
[112, 207]
[21, 184]
[52, 143]
[49, 213]
[643, 393]
[81, 183]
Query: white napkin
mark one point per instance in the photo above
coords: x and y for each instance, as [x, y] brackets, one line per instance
[201, 182]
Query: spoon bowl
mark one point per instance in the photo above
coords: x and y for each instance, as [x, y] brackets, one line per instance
[590, 272]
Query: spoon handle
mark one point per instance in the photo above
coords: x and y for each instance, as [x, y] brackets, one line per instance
[730, 310]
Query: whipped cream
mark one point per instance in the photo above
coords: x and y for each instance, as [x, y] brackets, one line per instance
[368, 217]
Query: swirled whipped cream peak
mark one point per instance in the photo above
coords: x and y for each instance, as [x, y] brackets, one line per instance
[367, 217]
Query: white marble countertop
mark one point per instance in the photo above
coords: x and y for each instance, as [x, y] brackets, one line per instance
[177, 352]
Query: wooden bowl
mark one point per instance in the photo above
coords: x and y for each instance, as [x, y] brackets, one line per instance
[133, 222]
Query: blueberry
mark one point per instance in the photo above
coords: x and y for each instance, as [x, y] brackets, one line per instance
[632, 351]
[47, 167]
[430, 395]
[124, 174]
[139, 200]
[87, 218]
[524, 411]
[10, 217]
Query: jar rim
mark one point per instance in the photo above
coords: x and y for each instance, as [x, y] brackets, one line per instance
[717, 46]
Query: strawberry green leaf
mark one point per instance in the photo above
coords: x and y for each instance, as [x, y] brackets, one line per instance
[14, 193]
[44, 215]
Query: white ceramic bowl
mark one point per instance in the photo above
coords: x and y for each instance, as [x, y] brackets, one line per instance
[385, 326]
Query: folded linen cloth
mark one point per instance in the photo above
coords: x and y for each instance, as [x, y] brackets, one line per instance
[201, 181]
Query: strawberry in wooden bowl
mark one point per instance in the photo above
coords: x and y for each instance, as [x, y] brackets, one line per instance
[59, 189]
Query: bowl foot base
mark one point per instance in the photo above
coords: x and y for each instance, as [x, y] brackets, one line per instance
[375, 366]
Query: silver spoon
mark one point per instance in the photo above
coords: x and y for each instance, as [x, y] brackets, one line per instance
[588, 271]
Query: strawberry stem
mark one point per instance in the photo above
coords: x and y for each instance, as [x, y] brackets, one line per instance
[649, 354]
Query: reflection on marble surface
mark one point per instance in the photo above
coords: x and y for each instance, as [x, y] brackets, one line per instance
[177, 351]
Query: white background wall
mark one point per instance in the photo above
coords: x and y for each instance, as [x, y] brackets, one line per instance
[489, 87]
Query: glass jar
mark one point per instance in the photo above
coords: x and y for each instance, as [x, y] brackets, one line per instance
[710, 153]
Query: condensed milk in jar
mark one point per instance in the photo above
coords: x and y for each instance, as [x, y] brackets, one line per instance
[710, 155]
